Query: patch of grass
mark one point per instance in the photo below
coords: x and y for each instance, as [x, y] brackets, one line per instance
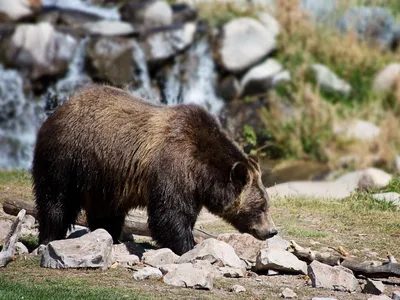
[298, 232]
[30, 241]
[15, 177]
[15, 184]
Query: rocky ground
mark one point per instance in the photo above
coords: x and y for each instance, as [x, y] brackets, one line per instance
[231, 265]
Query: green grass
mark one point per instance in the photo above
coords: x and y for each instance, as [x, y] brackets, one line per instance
[15, 177]
[59, 288]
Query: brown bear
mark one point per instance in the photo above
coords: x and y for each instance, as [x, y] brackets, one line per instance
[106, 151]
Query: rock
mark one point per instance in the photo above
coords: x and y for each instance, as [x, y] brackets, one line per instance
[272, 273]
[147, 273]
[17, 9]
[269, 22]
[77, 231]
[159, 257]
[281, 77]
[390, 197]
[360, 130]
[160, 46]
[126, 254]
[182, 13]
[29, 221]
[278, 243]
[245, 41]
[245, 245]
[381, 297]
[329, 81]
[21, 249]
[39, 50]
[147, 14]
[38, 251]
[311, 189]
[278, 260]
[186, 275]
[288, 294]
[259, 78]
[213, 251]
[197, 264]
[231, 272]
[396, 295]
[229, 88]
[238, 288]
[109, 28]
[385, 80]
[374, 287]
[93, 250]
[335, 278]
[111, 60]
[373, 23]
[370, 178]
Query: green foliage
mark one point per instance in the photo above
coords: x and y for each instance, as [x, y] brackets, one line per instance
[249, 135]
[15, 176]
[30, 241]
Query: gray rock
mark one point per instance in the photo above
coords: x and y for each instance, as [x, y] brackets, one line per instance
[126, 254]
[186, 275]
[334, 278]
[21, 249]
[272, 273]
[385, 80]
[147, 273]
[159, 257]
[38, 251]
[77, 231]
[381, 297]
[259, 78]
[390, 197]
[93, 250]
[229, 88]
[396, 295]
[366, 179]
[147, 14]
[288, 294]
[277, 242]
[281, 77]
[5, 226]
[372, 23]
[238, 288]
[360, 130]
[111, 60]
[39, 50]
[29, 221]
[311, 189]
[329, 81]
[245, 245]
[17, 9]
[278, 260]
[213, 251]
[231, 272]
[109, 28]
[269, 22]
[160, 46]
[245, 41]
[374, 287]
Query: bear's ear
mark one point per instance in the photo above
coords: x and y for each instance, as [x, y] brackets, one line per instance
[239, 173]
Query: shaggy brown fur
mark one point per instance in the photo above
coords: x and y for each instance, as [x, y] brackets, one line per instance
[107, 152]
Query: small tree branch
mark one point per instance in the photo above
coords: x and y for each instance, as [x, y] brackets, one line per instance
[7, 253]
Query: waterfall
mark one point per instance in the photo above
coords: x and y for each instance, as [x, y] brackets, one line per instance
[20, 118]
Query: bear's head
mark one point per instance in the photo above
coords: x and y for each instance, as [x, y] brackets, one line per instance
[250, 212]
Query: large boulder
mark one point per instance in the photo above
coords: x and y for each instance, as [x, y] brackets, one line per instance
[279, 260]
[17, 9]
[162, 45]
[213, 251]
[147, 13]
[245, 245]
[187, 275]
[93, 250]
[244, 42]
[111, 60]
[335, 278]
[370, 178]
[39, 50]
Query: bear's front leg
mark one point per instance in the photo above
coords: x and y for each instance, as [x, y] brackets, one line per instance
[171, 229]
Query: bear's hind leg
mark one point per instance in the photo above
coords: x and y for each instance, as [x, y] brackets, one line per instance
[113, 225]
[56, 212]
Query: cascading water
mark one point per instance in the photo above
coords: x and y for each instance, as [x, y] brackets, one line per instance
[192, 79]
[20, 118]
